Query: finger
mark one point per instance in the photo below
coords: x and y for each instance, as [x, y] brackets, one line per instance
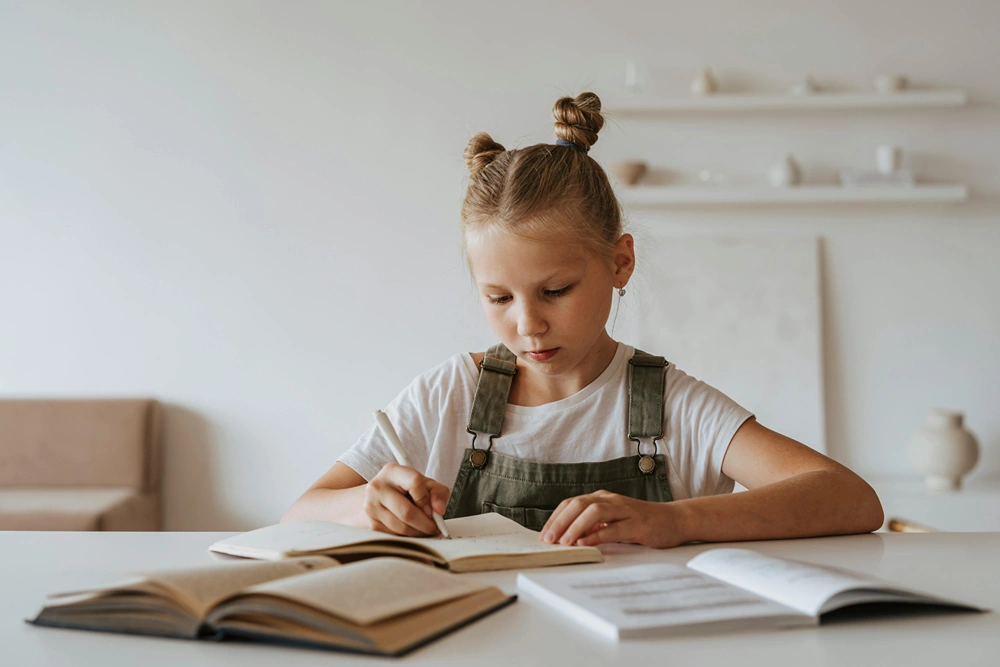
[395, 525]
[564, 516]
[375, 524]
[611, 532]
[596, 527]
[403, 509]
[421, 497]
[554, 517]
[595, 513]
[431, 497]
[417, 486]
[439, 496]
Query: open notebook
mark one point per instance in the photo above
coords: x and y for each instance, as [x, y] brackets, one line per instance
[381, 605]
[482, 542]
[720, 589]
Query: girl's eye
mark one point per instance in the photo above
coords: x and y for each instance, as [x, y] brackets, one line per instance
[558, 292]
[499, 300]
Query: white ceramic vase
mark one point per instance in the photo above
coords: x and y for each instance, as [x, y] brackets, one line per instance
[942, 451]
[784, 172]
[703, 83]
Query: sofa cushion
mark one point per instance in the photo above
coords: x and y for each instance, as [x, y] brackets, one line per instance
[60, 509]
[79, 442]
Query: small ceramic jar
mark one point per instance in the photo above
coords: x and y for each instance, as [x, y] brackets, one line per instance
[784, 172]
[942, 450]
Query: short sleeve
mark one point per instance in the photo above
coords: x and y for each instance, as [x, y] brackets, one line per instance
[701, 423]
[415, 416]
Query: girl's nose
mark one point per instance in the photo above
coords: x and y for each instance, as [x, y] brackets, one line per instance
[530, 323]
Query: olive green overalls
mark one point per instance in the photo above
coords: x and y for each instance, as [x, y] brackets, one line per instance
[528, 491]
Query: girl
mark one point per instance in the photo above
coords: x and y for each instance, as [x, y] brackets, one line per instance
[558, 426]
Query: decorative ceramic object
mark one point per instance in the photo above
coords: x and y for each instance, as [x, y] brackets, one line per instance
[888, 159]
[891, 83]
[712, 177]
[629, 172]
[806, 86]
[784, 172]
[704, 83]
[942, 450]
[633, 76]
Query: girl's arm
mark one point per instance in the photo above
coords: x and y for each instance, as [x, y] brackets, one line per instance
[336, 496]
[397, 500]
[792, 491]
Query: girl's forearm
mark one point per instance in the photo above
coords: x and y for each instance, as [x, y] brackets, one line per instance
[339, 505]
[825, 502]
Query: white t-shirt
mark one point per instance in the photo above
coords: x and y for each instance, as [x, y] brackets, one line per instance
[431, 414]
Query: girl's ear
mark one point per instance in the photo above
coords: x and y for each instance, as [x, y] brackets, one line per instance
[624, 260]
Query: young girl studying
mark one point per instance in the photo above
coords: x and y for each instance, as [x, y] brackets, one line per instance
[558, 426]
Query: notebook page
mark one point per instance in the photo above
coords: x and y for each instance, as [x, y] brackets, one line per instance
[370, 590]
[625, 601]
[799, 585]
[488, 534]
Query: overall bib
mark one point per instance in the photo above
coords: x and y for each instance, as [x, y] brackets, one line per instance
[528, 491]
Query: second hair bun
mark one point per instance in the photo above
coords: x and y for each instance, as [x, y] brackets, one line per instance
[578, 119]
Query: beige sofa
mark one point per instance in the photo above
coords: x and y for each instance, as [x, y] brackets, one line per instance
[87, 464]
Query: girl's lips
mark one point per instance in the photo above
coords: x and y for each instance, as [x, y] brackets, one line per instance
[543, 354]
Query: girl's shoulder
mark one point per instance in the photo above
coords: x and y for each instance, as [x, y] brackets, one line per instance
[458, 369]
[449, 384]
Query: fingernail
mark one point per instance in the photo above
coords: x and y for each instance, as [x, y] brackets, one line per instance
[547, 536]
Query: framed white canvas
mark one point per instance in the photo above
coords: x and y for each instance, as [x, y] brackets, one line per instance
[742, 314]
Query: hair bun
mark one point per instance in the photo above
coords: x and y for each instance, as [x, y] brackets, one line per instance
[481, 152]
[578, 119]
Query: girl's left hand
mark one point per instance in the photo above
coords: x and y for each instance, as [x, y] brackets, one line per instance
[602, 516]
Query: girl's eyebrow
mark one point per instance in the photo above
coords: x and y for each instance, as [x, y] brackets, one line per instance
[540, 282]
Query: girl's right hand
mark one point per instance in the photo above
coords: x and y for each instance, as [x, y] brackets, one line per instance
[400, 500]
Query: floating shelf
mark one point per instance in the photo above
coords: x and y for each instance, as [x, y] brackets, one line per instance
[915, 99]
[812, 194]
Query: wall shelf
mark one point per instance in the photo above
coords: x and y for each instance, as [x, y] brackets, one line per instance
[679, 195]
[913, 99]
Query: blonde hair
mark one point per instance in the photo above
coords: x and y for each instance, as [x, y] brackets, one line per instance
[545, 189]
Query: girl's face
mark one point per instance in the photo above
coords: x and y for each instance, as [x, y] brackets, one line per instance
[547, 300]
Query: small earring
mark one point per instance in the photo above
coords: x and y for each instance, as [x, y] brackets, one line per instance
[621, 293]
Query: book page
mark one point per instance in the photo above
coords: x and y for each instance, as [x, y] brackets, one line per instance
[199, 588]
[799, 585]
[644, 597]
[371, 590]
[488, 535]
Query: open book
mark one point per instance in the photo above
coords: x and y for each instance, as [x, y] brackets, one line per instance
[382, 605]
[481, 542]
[720, 589]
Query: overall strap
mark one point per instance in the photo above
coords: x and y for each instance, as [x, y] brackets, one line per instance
[495, 379]
[645, 396]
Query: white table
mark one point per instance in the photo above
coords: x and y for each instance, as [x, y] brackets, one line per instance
[965, 566]
[973, 509]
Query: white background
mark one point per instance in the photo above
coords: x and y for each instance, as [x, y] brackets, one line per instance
[250, 210]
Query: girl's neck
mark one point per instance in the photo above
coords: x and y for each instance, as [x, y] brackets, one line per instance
[532, 388]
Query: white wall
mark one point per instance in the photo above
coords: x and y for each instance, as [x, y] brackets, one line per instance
[249, 210]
